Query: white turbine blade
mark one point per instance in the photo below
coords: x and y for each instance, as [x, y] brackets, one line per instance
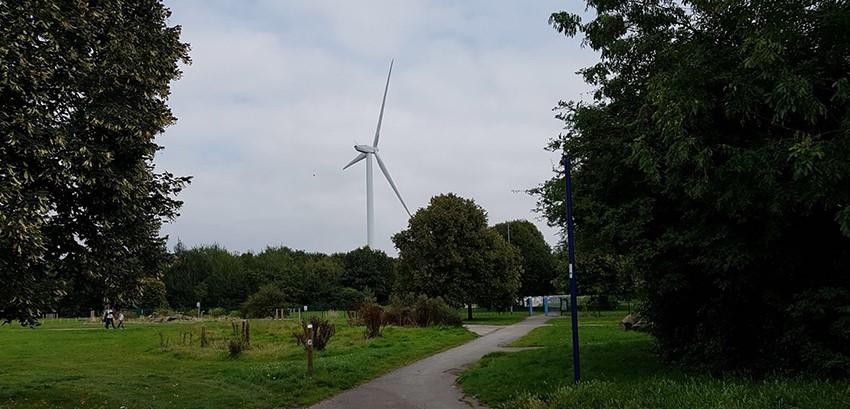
[383, 102]
[355, 160]
[390, 179]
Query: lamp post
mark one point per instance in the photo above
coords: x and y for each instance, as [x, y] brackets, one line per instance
[572, 258]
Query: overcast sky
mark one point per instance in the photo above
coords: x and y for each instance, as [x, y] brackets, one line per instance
[280, 91]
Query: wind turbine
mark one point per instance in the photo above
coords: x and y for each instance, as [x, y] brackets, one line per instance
[367, 152]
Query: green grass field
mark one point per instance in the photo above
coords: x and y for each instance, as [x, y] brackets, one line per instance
[620, 370]
[76, 364]
[481, 316]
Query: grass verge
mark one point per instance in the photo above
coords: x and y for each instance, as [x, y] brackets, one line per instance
[619, 370]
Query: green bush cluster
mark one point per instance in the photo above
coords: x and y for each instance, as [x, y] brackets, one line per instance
[263, 303]
[420, 311]
[217, 312]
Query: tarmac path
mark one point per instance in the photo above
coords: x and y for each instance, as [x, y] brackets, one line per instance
[430, 382]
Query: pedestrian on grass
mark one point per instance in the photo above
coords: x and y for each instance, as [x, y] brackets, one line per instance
[121, 319]
[108, 317]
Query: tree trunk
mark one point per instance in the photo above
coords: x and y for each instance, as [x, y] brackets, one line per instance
[469, 312]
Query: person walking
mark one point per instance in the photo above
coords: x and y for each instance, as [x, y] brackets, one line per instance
[121, 319]
[108, 317]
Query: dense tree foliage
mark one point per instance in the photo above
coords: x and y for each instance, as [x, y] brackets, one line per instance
[264, 302]
[606, 278]
[714, 156]
[153, 295]
[209, 274]
[83, 94]
[538, 263]
[448, 251]
[307, 278]
[370, 271]
[277, 277]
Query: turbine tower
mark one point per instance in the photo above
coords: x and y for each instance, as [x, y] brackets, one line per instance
[367, 152]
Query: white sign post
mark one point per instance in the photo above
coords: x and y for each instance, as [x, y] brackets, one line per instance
[309, 348]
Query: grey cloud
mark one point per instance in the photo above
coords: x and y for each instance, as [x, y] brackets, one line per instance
[266, 122]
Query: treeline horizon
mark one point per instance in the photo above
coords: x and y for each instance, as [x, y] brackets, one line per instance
[285, 277]
[218, 277]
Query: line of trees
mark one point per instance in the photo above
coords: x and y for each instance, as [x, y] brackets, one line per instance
[448, 251]
[281, 276]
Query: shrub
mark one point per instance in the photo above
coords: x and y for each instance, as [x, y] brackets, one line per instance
[204, 341]
[434, 311]
[348, 298]
[353, 318]
[323, 330]
[263, 303]
[163, 341]
[234, 347]
[400, 312]
[373, 317]
[217, 312]
[421, 311]
[242, 332]
[401, 315]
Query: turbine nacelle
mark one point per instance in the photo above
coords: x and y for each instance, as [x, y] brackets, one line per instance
[365, 148]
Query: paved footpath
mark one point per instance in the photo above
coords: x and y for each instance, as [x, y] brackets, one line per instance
[430, 383]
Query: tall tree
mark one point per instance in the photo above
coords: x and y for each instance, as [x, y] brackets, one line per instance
[307, 278]
[82, 96]
[538, 263]
[369, 270]
[714, 155]
[209, 274]
[448, 251]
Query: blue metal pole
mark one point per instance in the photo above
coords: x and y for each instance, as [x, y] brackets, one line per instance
[572, 269]
[545, 306]
[528, 301]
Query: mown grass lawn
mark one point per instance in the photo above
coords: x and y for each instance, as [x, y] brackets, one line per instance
[76, 364]
[620, 370]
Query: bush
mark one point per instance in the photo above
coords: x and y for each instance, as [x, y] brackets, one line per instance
[373, 316]
[323, 330]
[217, 312]
[348, 299]
[421, 312]
[434, 311]
[205, 342]
[234, 347]
[400, 310]
[263, 303]
[353, 318]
